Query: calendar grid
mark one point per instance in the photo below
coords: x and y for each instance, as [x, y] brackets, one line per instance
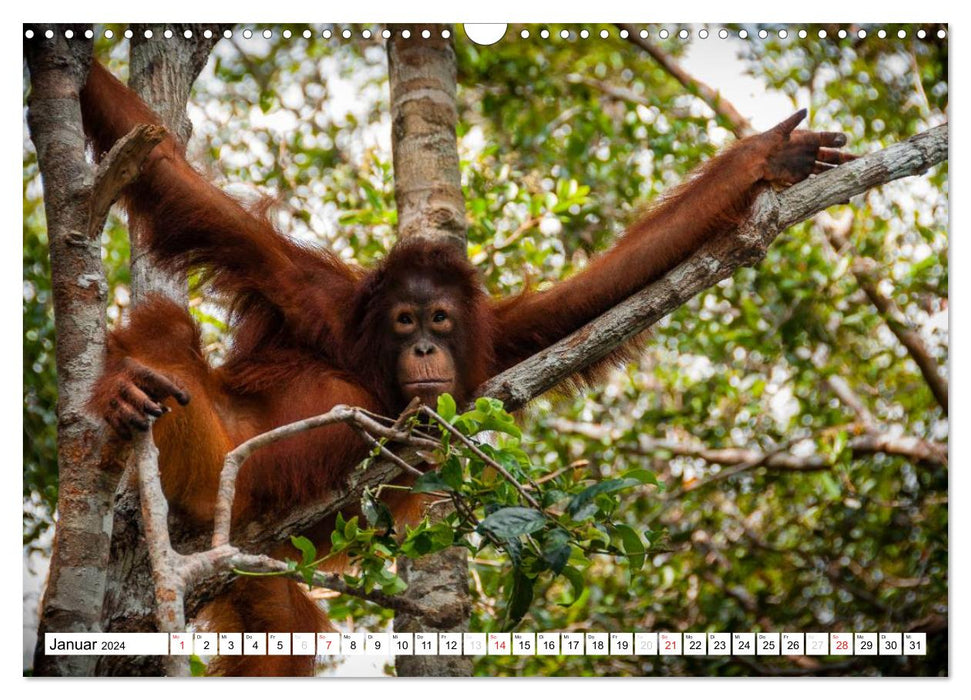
[490, 644]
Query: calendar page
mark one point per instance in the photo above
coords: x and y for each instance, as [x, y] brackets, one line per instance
[486, 350]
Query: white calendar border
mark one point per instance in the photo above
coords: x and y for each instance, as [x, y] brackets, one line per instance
[509, 11]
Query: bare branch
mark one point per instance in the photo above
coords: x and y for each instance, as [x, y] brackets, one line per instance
[166, 573]
[616, 92]
[118, 169]
[713, 262]
[723, 108]
[173, 574]
[338, 414]
[863, 270]
[866, 443]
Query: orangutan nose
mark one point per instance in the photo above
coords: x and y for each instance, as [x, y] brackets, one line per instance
[423, 349]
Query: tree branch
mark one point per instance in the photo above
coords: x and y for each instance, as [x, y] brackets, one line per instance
[166, 571]
[741, 127]
[713, 262]
[842, 390]
[723, 108]
[118, 169]
[863, 270]
[870, 442]
[339, 414]
[178, 578]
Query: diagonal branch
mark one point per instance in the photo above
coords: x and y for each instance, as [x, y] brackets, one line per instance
[863, 270]
[713, 262]
[723, 108]
[896, 321]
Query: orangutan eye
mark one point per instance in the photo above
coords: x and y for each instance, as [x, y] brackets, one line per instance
[439, 317]
[405, 319]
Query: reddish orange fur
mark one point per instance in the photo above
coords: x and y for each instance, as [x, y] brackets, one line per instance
[310, 333]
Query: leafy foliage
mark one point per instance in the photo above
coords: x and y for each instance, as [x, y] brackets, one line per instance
[545, 523]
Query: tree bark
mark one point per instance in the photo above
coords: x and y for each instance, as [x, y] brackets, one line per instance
[428, 184]
[162, 72]
[428, 193]
[75, 588]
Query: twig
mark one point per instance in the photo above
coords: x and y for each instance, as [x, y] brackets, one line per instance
[614, 91]
[841, 388]
[481, 455]
[580, 464]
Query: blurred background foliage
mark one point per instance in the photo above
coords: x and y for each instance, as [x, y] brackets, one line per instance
[773, 406]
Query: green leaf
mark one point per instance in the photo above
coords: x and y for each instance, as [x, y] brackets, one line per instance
[573, 575]
[395, 586]
[489, 414]
[514, 548]
[267, 101]
[556, 556]
[442, 535]
[633, 546]
[451, 473]
[375, 512]
[579, 507]
[830, 486]
[486, 406]
[446, 407]
[307, 549]
[416, 545]
[643, 476]
[430, 481]
[511, 522]
[520, 598]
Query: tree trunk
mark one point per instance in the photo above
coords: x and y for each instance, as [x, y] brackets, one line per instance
[75, 588]
[428, 193]
[162, 72]
[427, 182]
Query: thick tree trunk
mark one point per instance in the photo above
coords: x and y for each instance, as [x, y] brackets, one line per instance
[162, 72]
[428, 192]
[75, 588]
[427, 182]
